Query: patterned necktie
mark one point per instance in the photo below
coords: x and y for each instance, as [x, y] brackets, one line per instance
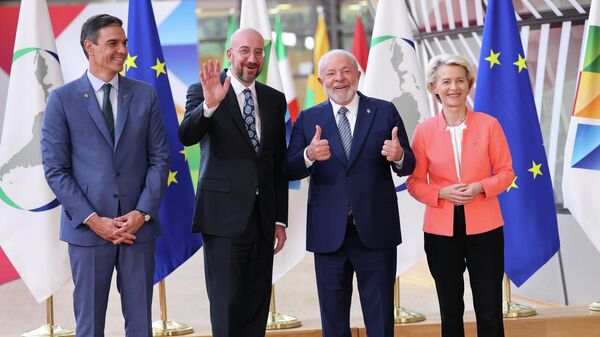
[344, 128]
[249, 119]
[107, 110]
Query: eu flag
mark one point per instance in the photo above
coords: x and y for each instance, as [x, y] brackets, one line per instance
[145, 62]
[504, 91]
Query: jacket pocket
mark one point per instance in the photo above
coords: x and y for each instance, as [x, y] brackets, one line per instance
[216, 185]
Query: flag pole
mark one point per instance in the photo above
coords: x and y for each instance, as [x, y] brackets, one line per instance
[403, 315]
[50, 329]
[165, 326]
[278, 321]
[512, 309]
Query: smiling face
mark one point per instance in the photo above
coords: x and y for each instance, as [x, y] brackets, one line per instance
[452, 86]
[339, 77]
[107, 55]
[246, 55]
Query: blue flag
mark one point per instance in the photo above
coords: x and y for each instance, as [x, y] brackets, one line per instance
[145, 62]
[504, 91]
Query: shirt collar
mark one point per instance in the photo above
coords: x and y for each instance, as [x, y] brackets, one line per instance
[238, 87]
[98, 83]
[352, 106]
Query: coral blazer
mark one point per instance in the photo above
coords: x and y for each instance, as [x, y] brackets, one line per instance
[485, 158]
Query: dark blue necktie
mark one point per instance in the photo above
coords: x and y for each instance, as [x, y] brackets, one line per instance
[250, 120]
[107, 109]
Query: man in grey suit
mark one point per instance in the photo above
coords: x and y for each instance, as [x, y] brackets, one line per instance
[106, 158]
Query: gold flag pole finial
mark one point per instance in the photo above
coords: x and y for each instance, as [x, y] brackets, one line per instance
[278, 321]
[403, 315]
[50, 329]
[165, 326]
[512, 309]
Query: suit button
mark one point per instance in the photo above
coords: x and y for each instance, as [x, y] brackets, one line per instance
[115, 196]
[118, 173]
[347, 177]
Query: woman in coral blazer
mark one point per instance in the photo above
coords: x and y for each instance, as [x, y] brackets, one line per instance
[463, 164]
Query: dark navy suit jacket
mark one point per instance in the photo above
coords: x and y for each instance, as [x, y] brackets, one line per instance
[364, 181]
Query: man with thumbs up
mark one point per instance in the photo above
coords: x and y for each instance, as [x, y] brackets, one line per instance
[349, 145]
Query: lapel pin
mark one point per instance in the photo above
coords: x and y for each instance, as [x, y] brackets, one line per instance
[85, 94]
[368, 111]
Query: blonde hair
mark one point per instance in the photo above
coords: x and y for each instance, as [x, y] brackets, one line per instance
[446, 59]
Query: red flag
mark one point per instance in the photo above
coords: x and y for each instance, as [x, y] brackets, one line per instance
[7, 271]
[359, 44]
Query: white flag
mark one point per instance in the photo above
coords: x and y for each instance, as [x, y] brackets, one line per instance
[581, 177]
[29, 229]
[254, 14]
[394, 74]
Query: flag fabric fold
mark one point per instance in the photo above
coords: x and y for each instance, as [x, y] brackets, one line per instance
[581, 174]
[145, 62]
[393, 60]
[528, 209]
[29, 232]
[314, 91]
[254, 14]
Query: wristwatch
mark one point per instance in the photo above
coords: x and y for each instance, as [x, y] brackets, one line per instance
[146, 216]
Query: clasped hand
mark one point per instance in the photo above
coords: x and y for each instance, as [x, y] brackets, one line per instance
[118, 230]
[461, 194]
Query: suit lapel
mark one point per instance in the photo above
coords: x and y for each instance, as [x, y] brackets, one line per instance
[331, 132]
[93, 108]
[123, 104]
[364, 119]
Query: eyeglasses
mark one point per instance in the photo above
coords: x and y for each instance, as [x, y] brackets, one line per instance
[245, 52]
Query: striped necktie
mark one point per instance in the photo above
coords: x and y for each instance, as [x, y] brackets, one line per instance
[345, 132]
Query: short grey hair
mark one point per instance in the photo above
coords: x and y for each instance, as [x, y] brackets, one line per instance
[450, 60]
[333, 52]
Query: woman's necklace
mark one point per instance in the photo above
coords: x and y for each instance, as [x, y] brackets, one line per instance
[454, 123]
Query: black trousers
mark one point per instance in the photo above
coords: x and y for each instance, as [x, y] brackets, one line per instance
[483, 255]
[238, 275]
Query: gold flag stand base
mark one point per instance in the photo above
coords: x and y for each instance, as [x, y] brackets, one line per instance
[514, 310]
[403, 316]
[277, 321]
[170, 328]
[50, 330]
[595, 306]
[165, 326]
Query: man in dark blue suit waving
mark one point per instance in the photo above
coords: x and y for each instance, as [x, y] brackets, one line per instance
[347, 146]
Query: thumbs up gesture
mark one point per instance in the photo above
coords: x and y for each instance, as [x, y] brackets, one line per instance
[391, 150]
[318, 149]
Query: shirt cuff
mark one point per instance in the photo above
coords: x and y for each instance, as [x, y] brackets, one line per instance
[307, 162]
[88, 218]
[208, 112]
[281, 224]
[400, 162]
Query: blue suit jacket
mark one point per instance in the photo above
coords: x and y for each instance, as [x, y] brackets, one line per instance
[89, 172]
[364, 180]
